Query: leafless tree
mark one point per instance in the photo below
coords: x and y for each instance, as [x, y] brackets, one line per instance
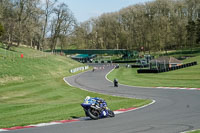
[48, 10]
[62, 23]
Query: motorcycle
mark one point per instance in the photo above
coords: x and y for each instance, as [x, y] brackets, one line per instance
[96, 109]
[115, 83]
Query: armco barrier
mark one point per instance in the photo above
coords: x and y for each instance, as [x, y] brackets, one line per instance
[79, 69]
[166, 70]
[118, 61]
[102, 61]
[139, 66]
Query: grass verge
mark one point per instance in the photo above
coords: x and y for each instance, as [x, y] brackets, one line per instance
[197, 131]
[186, 77]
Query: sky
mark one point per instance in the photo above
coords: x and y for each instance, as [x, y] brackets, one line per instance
[86, 9]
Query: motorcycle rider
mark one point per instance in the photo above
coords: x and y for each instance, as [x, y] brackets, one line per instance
[96, 108]
[96, 100]
[115, 82]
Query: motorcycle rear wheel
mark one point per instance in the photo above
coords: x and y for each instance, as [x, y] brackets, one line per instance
[93, 113]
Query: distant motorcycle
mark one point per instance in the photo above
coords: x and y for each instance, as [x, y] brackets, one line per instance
[115, 83]
[96, 108]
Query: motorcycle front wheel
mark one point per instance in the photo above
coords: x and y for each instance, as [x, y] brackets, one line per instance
[93, 113]
[111, 113]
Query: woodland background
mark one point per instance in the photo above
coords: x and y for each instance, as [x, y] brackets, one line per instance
[160, 25]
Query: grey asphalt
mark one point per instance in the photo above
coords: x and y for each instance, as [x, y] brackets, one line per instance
[174, 111]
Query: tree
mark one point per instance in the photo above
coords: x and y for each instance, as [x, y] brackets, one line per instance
[9, 23]
[191, 34]
[62, 24]
[21, 20]
[20, 11]
[198, 31]
[1, 30]
[49, 5]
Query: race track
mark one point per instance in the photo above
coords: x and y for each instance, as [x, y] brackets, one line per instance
[174, 111]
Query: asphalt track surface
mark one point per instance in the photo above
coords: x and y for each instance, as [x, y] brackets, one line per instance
[174, 111]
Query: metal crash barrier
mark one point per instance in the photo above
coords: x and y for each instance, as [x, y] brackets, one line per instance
[79, 69]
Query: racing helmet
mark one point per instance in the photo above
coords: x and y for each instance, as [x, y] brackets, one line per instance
[87, 98]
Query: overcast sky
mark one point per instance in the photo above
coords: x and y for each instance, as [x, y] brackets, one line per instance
[85, 9]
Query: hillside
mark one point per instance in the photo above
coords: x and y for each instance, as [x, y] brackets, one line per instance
[33, 65]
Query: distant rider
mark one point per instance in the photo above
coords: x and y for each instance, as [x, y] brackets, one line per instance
[115, 82]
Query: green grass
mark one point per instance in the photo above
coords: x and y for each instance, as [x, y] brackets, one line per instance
[32, 89]
[185, 52]
[186, 77]
[178, 53]
[197, 131]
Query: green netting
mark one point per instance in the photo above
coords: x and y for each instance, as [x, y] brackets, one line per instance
[97, 51]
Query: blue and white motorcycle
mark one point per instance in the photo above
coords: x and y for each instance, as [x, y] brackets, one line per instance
[96, 108]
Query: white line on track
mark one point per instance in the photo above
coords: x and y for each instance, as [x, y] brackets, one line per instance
[45, 124]
[2, 130]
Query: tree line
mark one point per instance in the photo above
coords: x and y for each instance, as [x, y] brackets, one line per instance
[153, 26]
[159, 25]
[35, 23]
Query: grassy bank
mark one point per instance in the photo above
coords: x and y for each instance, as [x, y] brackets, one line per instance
[197, 131]
[186, 77]
[32, 89]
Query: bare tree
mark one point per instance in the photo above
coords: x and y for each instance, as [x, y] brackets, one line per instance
[62, 23]
[48, 10]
